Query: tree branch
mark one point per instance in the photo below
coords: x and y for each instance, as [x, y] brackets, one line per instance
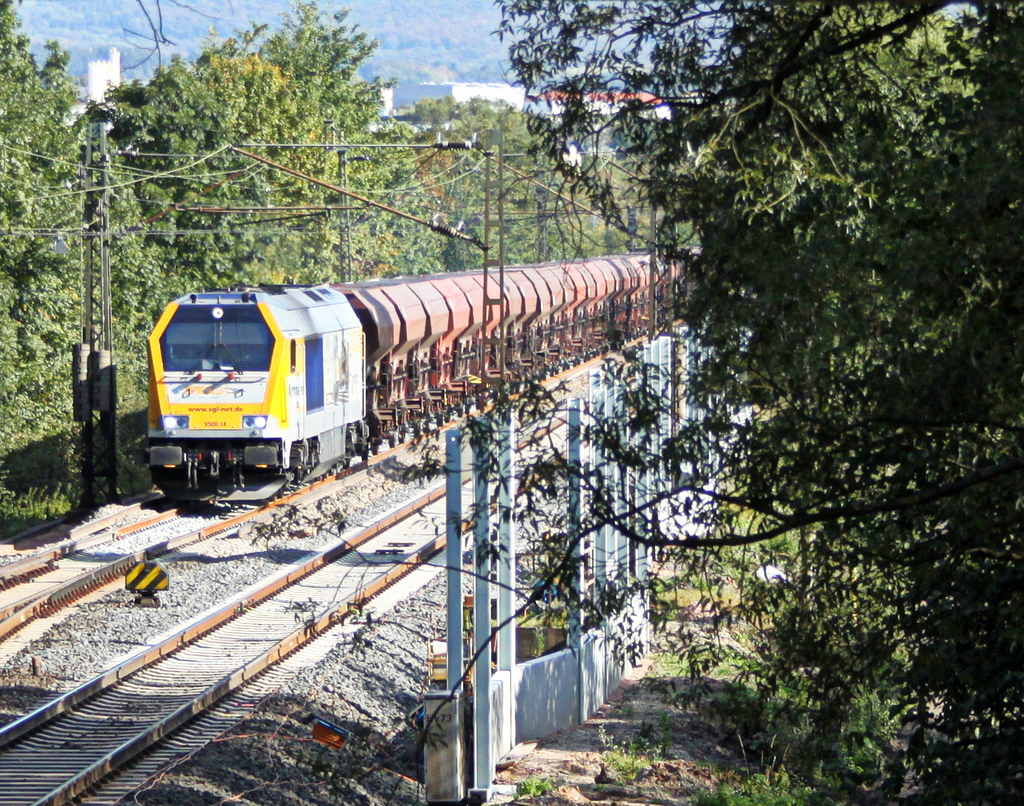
[798, 520]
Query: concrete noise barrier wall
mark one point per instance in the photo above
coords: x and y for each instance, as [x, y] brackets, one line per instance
[549, 689]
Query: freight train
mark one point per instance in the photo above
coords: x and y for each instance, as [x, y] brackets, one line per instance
[251, 388]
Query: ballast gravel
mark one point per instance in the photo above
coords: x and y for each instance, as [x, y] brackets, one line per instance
[99, 633]
[367, 685]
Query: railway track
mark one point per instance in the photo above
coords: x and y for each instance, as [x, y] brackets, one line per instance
[104, 723]
[47, 581]
[43, 583]
[60, 750]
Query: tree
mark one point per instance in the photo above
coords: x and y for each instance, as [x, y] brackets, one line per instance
[278, 86]
[841, 185]
[39, 290]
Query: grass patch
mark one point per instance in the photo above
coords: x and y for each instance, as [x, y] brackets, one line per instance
[533, 787]
[20, 512]
[625, 764]
[759, 790]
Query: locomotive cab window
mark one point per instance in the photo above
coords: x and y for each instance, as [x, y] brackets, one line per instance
[206, 337]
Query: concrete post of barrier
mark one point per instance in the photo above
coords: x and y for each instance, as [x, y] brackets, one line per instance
[617, 416]
[507, 560]
[614, 417]
[483, 763]
[597, 409]
[453, 557]
[573, 521]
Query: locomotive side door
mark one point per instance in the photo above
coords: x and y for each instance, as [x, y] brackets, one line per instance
[297, 389]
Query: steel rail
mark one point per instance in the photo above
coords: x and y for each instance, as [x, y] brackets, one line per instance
[59, 530]
[81, 537]
[17, 614]
[53, 727]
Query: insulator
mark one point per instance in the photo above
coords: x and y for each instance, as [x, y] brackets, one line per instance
[103, 382]
[80, 382]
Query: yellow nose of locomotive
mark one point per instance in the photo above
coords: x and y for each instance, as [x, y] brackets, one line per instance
[212, 427]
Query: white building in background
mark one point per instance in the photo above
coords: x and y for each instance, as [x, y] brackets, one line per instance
[513, 96]
[408, 95]
[103, 74]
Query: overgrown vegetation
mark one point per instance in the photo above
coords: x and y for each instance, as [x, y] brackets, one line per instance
[839, 185]
[533, 787]
[760, 790]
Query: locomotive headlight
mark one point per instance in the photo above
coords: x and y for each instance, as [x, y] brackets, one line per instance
[173, 421]
[254, 421]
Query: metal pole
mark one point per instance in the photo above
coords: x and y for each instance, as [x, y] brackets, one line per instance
[344, 233]
[487, 262]
[494, 196]
[98, 399]
[497, 138]
[453, 557]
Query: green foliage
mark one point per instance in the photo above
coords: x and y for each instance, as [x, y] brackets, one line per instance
[759, 790]
[263, 86]
[533, 787]
[27, 509]
[625, 763]
[39, 290]
[840, 185]
[628, 758]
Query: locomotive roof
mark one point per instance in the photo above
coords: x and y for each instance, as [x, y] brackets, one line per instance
[300, 310]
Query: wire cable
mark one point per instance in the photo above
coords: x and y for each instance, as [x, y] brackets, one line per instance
[172, 174]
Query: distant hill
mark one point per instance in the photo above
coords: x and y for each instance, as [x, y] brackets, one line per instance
[420, 40]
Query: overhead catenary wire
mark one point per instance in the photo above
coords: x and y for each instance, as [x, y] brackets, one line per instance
[182, 172]
[441, 229]
[117, 186]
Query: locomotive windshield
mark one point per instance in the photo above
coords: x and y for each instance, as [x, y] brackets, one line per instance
[207, 337]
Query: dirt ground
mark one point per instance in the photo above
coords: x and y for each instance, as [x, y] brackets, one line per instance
[675, 751]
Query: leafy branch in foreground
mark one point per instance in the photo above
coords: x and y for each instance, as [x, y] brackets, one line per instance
[841, 186]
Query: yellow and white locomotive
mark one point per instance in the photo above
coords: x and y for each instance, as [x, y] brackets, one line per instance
[252, 388]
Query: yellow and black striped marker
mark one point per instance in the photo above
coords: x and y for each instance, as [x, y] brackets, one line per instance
[146, 577]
